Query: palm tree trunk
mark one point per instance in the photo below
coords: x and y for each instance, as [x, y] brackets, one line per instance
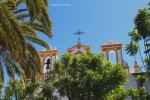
[147, 56]
[145, 48]
[148, 47]
[141, 56]
[147, 39]
[134, 58]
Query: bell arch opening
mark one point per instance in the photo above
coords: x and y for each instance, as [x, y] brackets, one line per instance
[112, 56]
[45, 60]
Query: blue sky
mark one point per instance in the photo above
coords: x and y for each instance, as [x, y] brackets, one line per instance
[101, 20]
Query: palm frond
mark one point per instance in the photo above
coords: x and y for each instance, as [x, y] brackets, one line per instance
[20, 11]
[46, 2]
[26, 70]
[11, 5]
[37, 10]
[18, 2]
[39, 27]
[12, 63]
[37, 41]
[29, 30]
[11, 27]
[47, 18]
[9, 70]
[47, 33]
[35, 55]
[34, 8]
[131, 48]
[22, 16]
[6, 40]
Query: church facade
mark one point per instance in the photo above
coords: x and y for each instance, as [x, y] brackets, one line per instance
[49, 56]
[79, 49]
[107, 49]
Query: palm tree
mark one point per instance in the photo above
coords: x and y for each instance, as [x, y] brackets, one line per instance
[132, 49]
[136, 37]
[17, 34]
[141, 22]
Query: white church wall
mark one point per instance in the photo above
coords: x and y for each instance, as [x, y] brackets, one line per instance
[53, 60]
[131, 82]
[147, 86]
[119, 57]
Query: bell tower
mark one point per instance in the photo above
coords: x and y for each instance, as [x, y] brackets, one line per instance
[116, 48]
[48, 55]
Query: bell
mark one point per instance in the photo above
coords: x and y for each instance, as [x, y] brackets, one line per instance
[48, 63]
[47, 67]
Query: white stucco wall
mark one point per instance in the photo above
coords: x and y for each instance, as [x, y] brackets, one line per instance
[147, 85]
[53, 60]
[119, 57]
[131, 82]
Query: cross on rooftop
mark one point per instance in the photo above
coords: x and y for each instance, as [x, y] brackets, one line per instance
[79, 33]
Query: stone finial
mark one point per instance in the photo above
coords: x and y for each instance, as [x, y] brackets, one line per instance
[44, 49]
[135, 63]
[117, 42]
[55, 48]
[111, 41]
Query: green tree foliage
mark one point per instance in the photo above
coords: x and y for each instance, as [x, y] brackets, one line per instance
[48, 90]
[118, 94]
[140, 94]
[87, 77]
[124, 94]
[141, 79]
[16, 91]
[31, 90]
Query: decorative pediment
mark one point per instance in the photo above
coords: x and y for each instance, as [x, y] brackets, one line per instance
[78, 49]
